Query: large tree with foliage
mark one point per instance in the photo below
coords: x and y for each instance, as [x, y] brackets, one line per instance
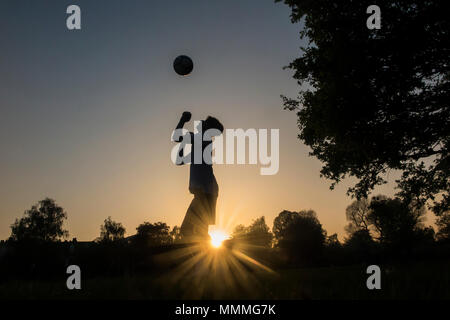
[357, 216]
[154, 234]
[42, 223]
[387, 220]
[443, 224]
[258, 233]
[376, 100]
[299, 234]
[111, 231]
[395, 221]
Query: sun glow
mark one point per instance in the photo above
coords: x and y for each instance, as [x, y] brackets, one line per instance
[217, 237]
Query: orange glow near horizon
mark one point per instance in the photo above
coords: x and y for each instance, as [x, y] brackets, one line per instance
[218, 237]
[223, 272]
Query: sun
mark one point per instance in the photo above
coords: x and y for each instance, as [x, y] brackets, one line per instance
[217, 237]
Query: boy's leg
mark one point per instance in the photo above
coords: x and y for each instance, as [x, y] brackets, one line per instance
[187, 227]
[195, 224]
[211, 209]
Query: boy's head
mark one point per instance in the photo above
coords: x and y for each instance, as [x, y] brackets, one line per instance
[212, 123]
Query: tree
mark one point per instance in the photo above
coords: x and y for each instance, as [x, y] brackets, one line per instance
[360, 239]
[154, 234]
[257, 234]
[361, 244]
[239, 231]
[42, 223]
[375, 100]
[396, 222]
[111, 231]
[300, 235]
[176, 234]
[390, 221]
[332, 250]
[332, 241]
[357, 215]
[443, 224]
[281, 224]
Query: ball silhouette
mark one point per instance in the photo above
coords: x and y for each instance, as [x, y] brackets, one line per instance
[183, 65]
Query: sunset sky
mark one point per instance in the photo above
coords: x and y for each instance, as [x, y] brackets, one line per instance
[86, 116]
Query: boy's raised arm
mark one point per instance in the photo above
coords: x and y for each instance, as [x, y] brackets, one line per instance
[185, 117]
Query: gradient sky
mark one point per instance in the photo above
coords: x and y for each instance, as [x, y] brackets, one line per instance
[86, 116]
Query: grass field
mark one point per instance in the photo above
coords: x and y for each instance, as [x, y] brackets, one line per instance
[430, 280]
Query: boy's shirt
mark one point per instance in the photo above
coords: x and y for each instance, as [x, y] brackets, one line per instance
[201, 178]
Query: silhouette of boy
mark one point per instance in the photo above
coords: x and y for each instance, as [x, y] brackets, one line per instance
[202, 183]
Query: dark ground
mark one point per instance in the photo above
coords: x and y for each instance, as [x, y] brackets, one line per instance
[423, 280]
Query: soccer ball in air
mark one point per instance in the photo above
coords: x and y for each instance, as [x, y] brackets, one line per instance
[183, 65]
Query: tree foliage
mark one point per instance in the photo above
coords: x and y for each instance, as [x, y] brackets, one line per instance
[42, 223]
[111, 231]
[258, 233]
[154, 234]
[395, 221]
[300, 234]
[388, 220]
[443, 224]
[332, 241]
[357, 216]
[375, 100]
[176, 234]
